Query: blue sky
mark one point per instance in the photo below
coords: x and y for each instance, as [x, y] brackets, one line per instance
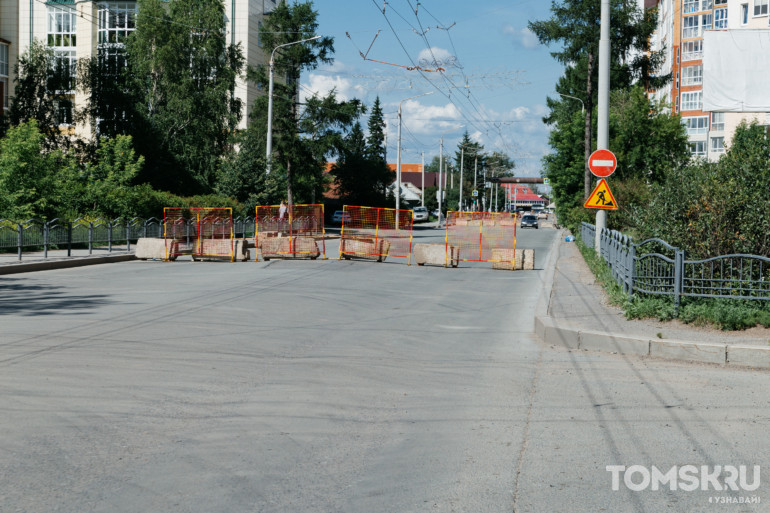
[496, 79]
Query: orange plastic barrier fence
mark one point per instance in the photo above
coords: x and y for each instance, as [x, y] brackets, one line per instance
[482, 236]
[290, 231]
[200, 231]
[376, 233]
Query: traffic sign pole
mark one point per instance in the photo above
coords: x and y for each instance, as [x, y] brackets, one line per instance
[603, 114]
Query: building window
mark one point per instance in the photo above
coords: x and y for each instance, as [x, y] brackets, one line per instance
[744, 14]
[690, 27]
[62, 38]
[718, 121]
[760, 7]
[692, 50]
[676, 105]
[705, 22]
[717, 144]
[259, 34]
[698, 148]
[4, 74]
[720, 18]
[696, 125]
[677, 80]
[692, 100]
[116, 21]
[691, 6]
[720, 2]
[692, 75]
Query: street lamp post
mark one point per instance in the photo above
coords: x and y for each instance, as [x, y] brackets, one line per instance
[582, 105]
[269, 145]
[398, 152]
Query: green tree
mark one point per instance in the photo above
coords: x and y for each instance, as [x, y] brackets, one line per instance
[28, 184]
[574, 26]
[42, 83]
[183, 80]
[109, 180]
[289, 24]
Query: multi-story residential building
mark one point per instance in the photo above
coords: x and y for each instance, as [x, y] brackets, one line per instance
[75, 29]
[680, 33]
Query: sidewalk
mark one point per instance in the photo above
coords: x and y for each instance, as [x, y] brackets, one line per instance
[576, 314]
[58, 259]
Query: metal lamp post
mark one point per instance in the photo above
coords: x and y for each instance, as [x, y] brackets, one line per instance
[398, 152]
[269, 145]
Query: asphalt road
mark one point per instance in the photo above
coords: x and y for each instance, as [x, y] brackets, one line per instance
[315, 386]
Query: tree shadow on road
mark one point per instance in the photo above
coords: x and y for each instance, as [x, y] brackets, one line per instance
[19, 297]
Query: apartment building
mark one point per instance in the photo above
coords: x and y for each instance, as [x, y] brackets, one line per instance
[75, 29]
[682, 27]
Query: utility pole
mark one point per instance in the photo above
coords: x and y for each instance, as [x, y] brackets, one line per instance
[603, 121]
[462, 159]
[440, 165]
[422, 193]
[475, 174]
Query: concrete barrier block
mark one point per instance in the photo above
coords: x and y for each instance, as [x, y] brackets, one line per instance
[505, 259]
[528, 260]
[289, 247]
[692, 351]
[436, 254]
[150, 249]
[749, 356]
[597, 341]
[364, 247]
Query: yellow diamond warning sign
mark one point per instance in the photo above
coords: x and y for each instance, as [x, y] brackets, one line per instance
[601, 197]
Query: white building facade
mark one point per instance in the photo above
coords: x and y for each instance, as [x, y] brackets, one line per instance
[74, 29]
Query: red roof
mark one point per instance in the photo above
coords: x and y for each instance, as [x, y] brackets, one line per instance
[522, 193]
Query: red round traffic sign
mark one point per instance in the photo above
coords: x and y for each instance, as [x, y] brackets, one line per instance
[602, 163]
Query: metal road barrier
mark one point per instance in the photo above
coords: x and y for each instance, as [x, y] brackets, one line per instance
[198, 231]
[376, 233]
[482, 236]
[290, 231]
[654, 266]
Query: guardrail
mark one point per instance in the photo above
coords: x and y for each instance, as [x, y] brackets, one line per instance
[64, 234]
[654, 266]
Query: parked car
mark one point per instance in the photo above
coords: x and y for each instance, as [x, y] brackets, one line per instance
[529, 221]
[419, 214]
[341, 215]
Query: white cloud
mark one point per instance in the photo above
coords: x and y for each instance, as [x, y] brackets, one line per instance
[522, 37]
[435, 57]
[321, 85]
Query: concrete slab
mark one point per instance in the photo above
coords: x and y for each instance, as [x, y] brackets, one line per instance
[692, 351]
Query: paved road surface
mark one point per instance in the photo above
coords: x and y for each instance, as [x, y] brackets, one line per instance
[340, 386]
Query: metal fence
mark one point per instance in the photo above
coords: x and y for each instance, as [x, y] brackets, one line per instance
[36, 235]
[654, 266]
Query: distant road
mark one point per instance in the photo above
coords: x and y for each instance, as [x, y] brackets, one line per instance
[314, 386]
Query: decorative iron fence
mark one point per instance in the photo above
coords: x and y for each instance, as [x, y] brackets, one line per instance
[655, 267]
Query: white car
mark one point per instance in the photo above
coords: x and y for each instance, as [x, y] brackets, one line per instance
[339, 215]
[419, 214]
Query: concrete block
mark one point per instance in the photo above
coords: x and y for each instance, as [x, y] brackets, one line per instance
[289, 247]
[749, 356]
[540, 325]
[150, 249]
[523, 259]
[597, 341]
[559, 336]
[364, 247]
[436, 254]
[690, 351]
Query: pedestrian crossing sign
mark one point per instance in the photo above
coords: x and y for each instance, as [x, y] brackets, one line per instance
[601, 197]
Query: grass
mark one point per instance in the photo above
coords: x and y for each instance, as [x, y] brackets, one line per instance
[725, 314]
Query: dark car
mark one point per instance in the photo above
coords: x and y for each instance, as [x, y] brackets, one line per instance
[529, 221]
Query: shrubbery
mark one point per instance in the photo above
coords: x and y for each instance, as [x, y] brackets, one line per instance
[46, 185]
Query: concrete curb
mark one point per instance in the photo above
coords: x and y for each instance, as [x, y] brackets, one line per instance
[28, 267]
[735, 355]
[553, 332]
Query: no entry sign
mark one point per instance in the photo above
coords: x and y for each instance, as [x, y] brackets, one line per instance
[602, 163]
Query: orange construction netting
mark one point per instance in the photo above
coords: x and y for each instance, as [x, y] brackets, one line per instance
[481, 236]
[200, 231]
[376, 233]
[290, 231]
